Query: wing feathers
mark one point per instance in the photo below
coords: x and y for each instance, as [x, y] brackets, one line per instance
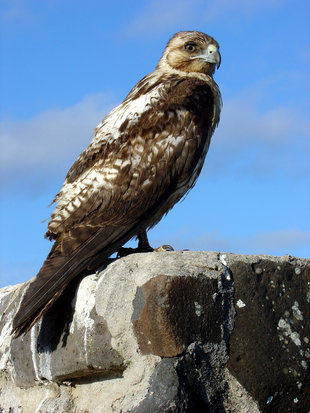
[148, 139]
[144, 157]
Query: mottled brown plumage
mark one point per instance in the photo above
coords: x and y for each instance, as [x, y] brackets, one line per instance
[144, 157]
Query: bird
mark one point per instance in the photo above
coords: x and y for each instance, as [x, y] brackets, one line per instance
[145, 155]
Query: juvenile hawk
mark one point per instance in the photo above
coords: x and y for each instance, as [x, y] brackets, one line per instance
[144, 157]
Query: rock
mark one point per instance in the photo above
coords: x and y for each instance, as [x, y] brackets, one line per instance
[166, 332]
[272, 333]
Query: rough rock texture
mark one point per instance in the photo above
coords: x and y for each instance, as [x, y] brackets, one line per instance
[166, 332]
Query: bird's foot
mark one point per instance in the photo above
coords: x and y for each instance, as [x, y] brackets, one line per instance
[123, 252]
[143, 246]
[164, 248]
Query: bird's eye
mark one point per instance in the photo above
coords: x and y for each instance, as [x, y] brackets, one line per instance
[190, 47]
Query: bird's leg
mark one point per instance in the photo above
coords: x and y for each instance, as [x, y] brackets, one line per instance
[143, 246]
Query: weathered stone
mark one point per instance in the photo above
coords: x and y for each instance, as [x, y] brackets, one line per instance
[157, 323]
[84, 350]
[166, 332]
[269, 346]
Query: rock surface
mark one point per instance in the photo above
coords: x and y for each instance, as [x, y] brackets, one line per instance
[166, 332]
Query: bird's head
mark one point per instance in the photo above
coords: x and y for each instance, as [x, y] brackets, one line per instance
[191, 52]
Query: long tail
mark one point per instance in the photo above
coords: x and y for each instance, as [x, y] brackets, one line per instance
[59, 269]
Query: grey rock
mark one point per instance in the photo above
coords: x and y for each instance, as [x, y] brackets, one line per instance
[270, 341]
[166, 332]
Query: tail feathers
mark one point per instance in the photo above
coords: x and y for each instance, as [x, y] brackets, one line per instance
[44, 290]
[58, 270]
[21, 327]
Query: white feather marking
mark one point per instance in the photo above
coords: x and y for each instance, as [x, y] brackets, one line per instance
[155, 150]
[127, 111]
[139, 148]
[118, 162]
[136, 158]
[146, 182]
[125, 163]
[139, 140]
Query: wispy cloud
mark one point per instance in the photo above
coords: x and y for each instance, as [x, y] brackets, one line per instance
[12, 11]
[260, 142]
[242, 7]
[286, 239]
[273, 242]
[159, 15]
[28, 12]
[34, 149]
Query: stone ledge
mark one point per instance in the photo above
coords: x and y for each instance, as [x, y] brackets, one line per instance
[164, 330]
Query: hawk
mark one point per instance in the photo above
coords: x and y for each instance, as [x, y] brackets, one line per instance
[145, 156]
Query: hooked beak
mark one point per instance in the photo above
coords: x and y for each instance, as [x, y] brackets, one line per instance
[211, 55]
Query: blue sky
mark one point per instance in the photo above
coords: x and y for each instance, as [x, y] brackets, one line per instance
[65, 64]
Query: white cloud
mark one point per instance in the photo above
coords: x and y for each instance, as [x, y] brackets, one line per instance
[161, 15]
[242, 7]
[260, 142]
[49, 142]
[275, 242]
[26, 12]
[17, 11]
[285, 239]
[242, 118]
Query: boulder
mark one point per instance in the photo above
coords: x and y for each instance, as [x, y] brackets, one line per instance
[166, 332]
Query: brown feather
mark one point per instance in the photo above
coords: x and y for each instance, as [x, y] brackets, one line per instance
[145, 156]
